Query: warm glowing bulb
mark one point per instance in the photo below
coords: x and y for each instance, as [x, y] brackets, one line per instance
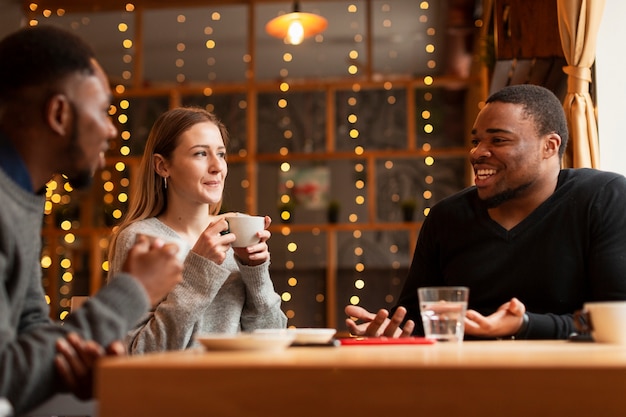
[295, 34]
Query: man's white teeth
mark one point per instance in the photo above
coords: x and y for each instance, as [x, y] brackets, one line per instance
[484, 173]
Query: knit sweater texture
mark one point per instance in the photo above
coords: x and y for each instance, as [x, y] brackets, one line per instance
[227, 298]
[27, 335]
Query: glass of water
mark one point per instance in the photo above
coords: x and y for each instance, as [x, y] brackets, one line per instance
[443, 312]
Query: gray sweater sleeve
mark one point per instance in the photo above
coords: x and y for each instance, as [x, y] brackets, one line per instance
[208, 300]
[28, 375]
[174, 322]
[211, 298]
[262, 309]
[27, 335]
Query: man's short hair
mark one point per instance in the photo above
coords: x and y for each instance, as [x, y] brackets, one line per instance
[41, 56]
[541, 105]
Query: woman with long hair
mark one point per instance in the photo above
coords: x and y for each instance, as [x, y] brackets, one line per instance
[177, 197]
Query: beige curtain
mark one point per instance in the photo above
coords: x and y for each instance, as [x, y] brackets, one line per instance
[579, 21]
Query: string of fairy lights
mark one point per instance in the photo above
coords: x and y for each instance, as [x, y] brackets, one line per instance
[115, 179]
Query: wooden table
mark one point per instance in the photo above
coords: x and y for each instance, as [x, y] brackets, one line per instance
[480, 378]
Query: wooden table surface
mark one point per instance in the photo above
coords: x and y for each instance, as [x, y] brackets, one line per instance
[477, 378]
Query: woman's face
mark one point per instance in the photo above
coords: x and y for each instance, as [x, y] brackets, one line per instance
[197, 169]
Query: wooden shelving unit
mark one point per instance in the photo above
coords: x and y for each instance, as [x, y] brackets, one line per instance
[91, 230]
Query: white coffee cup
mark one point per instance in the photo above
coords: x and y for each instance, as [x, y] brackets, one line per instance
[606, 320]
[245, 229]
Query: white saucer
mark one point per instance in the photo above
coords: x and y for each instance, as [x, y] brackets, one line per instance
[246, 341]
[313, 335]
[304, 335]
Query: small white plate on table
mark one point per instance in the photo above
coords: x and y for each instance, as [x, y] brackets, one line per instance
[246, 341]
[304, 335]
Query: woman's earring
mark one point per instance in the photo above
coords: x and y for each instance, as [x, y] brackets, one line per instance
[165, 182]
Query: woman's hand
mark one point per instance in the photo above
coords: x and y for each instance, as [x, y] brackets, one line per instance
[214, 242]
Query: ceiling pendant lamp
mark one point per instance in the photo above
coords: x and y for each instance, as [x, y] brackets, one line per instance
[295, 26]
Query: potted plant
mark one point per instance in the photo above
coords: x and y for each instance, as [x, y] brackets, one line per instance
[408, 209]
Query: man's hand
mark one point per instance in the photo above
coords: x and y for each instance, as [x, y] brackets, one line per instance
[379, 324]
[506, 321]
[155, 265]
[76, 360]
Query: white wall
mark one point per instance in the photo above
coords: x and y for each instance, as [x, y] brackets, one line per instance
[611, 87]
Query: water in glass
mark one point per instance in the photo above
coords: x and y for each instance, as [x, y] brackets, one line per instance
[444, 320]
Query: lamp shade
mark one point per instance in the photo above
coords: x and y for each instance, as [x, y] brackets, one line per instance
[294, 27]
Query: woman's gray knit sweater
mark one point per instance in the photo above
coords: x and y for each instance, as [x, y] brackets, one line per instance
[212, 298]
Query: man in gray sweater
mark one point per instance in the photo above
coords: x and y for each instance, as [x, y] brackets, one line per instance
[54, 99]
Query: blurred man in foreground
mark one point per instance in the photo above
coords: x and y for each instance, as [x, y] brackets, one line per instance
[54, 102]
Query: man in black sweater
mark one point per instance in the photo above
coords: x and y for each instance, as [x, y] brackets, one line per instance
[532, 241]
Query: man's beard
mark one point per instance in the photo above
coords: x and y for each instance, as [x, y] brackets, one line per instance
[506, 195]
[82, 179]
